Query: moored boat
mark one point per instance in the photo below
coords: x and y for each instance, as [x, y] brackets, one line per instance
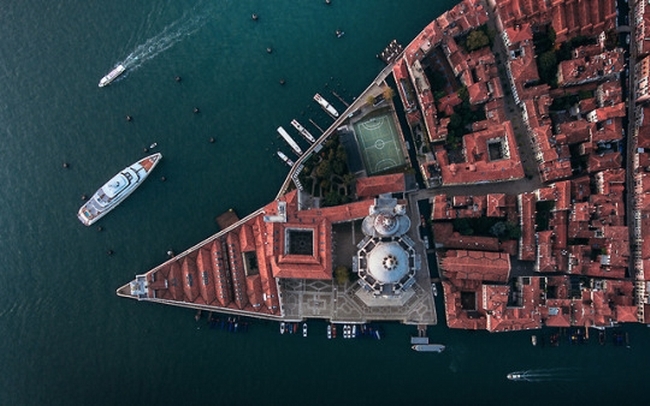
[118, 188]
[282, 327]
[428, 347]
[285, 158]
[325, 104]
[303, 131]
[112, 75]
[294, 146]
[304, 329]
[329, 331]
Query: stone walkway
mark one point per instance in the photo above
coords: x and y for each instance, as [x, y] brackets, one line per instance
[304, 299]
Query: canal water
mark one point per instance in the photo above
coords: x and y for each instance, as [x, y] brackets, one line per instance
[67, 339]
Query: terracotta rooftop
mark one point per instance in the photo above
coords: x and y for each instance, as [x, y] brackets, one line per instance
[607, 65]
[377, 185]
[476, 265]
[479, 166]
[527, 248]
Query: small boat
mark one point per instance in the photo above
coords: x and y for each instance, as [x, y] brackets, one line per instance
[428, 347]
[285, 158]
[339, 33]
[282, 327]
[516, 376]
[118, 188]
[295, 327]
[533, 340]
[434, 289]
[112, 75]
[325, 104]
[329, 331]
[354, 331]
[154, 145]
[333, 330]
[304, 329]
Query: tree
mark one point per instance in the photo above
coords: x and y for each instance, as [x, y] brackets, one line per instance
[324, 169]
[548, 68]
[332, 198]
[342, 275]
[463, 226]
[338, 167]
[348, 178]
[389, 93]
[498, 229]
[477, 39]
[513, 231]
[551, 34]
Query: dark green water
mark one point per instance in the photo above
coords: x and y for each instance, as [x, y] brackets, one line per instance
[67, 339]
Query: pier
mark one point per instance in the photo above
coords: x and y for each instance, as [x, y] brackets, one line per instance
[340, 99]
[317, 126]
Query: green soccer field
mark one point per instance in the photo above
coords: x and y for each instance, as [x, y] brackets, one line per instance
[379, 144]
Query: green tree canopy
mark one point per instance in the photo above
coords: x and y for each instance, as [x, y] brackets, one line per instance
[477, 39]
[342, 275]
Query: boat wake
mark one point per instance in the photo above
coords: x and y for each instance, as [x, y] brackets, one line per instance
[545, 375]
[191, 21]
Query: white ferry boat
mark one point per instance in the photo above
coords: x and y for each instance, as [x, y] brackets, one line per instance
[112, 75]
[118, 188]
[289, 140]
[303, 131]
[285, 158]
[328, 107]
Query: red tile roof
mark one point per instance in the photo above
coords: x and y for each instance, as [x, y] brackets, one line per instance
[479, 167]
[496, 203]
[476, 265]
[377, 185]
[527, 247]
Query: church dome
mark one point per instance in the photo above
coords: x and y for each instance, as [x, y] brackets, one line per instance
[388, 262]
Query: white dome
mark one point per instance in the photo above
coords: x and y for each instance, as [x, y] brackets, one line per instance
[388, 262]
